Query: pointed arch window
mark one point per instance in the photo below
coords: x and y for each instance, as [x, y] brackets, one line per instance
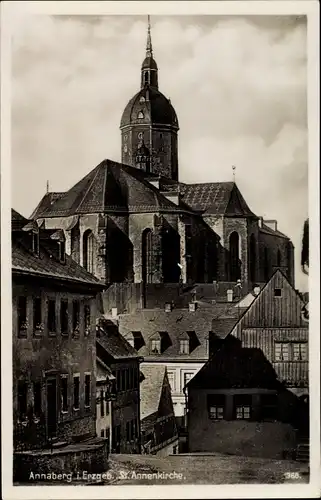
[140, 115]
[147, 256]
[234, 258]
[88, 251]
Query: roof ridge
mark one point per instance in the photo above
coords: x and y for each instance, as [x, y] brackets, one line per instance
[89, 187]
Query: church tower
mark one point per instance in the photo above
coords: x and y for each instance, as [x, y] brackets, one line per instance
[149, 124]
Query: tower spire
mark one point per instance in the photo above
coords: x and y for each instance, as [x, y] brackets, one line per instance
[149, 47]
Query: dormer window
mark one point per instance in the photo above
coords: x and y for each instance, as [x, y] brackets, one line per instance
[188, 342]
[156, 346]
[184, 346]
[137, 340]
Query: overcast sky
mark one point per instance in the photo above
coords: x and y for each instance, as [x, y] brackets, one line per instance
[238, 85]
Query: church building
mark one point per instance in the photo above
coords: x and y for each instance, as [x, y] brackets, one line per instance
[135, 222]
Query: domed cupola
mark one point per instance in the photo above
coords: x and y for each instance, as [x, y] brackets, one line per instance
[150, 119]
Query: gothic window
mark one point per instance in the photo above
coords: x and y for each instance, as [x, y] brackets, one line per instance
[75, 243]
[147, 256]
[146, 77]
[171, 255]
[252, 258]
[140, 115]
[234, 258]
[88, 251]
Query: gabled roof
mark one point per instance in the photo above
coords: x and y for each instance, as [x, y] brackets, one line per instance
[18, 221]
[110, 187]
[112, 343]
[151, 321]
[151, 389]
[236, 367]
[215, 198]
[47, 265]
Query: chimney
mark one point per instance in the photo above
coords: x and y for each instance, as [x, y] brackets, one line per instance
[168, 307]
[272, 224]
[114, 312]
[229, 294]
[260, 222]
[192, 306]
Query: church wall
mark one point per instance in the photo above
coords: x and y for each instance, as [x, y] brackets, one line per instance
[274, 244]
[137, 223]
[240, 226]
[215, 222]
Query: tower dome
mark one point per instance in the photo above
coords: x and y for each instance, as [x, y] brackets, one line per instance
[150, 118]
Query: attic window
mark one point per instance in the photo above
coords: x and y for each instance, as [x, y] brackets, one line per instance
[156, 346]
[137, 340]
[140, 115]
[184, 346]
[277, 292]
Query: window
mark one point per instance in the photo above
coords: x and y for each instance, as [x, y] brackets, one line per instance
[102, 433]
[22, 399]
[171, 380]
[107, 403]
[184, 346]
[242, 405]
[140, 115]
[75, 316]
[281, 351]
[64, 317]
[234, 258]
[62, 251]
[146, 79]
[300, 351]
[142, 99]
[87, 389]
[269, 404]
[87, 318]
[88, 251]
[64, 393]
[216, 403]
[102, 408]
[37, 398]
[277, 292]
[37, 316]
[22, 316]
[51, 316]
[187, 377]
[156, 346]
[76, 392]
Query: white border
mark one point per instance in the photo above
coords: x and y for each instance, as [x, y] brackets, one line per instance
[8, 12]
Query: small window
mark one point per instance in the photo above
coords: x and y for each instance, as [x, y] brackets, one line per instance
[216, 412]
[37, 315]
[87, 390]
[102, 407]
[300, 351]
[87, 318]
[142, 99]
[281, 351]
[171, 380]
[156, 346]
[75, 316]
[37, 398]
[64, 393]
[64, 317]
[51, 316]
[22, 399]
[277, 292]
[216, 404]
[102, 433]
[187, 377]
[242, 404]
[146, 77]
[184, 346]
[22, 317]
[76, 392]
[140, 115]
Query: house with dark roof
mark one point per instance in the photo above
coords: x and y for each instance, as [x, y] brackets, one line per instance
[158, 424]
[251, 397]
[123, 361]
[55, 302]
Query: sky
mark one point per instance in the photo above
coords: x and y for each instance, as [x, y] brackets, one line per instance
[238, 85]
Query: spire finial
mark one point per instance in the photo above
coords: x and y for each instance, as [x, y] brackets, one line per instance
[233, 168]
[149, 48]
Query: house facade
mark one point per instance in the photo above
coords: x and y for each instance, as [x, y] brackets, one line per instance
[158, 424]
[251, 397]
[124, 362]
[54, 305]
[105, 394]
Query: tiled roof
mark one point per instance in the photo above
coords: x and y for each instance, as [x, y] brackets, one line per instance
[110, 187]
[112, 342]
[215, 198]
[237, 368]
[151, 321]
[47, 264]
[267, 230]
[17, 220]
[151, 389]
[45, 203]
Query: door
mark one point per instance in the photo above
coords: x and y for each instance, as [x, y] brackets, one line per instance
[52, 407]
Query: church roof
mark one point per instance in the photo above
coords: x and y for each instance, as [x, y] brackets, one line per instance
[155, 107]
[267, 230]
[110, 187]
[217, 198]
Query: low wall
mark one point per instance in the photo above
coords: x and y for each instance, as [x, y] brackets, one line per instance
[71, 460]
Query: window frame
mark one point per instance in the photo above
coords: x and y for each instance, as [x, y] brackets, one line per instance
[64, 408]
[64, 313]
[87, 390]
[184, 346]
[22, 319]
[155, 342]
[76, 376]
[282, 344]
[51, 316]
